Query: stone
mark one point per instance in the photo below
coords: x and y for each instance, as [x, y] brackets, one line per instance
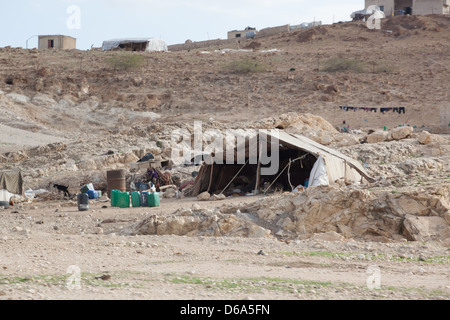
[328, 236]
[347, 140]
[205, 196]
[377, 136]
[424, 228]
[216, 197]
[170, 193]
[427, 138]
[43, 100]
[18, 98]
[400, 133]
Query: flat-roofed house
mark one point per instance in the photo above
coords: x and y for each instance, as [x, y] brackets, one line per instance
[57, 42]
[413, 7]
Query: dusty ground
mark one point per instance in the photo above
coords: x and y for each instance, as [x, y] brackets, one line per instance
[61, 112]
[40, 241]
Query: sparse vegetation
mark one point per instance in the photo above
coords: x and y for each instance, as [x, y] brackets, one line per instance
[340, 64]
[126, 61]
[245, 65]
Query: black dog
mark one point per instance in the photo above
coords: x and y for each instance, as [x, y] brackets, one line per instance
[63, 189]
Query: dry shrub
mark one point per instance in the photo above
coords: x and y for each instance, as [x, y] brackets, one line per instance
[340, 64]
[245, 65]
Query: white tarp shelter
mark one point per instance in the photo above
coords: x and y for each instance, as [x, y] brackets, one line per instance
[371, 10]
[143, 44]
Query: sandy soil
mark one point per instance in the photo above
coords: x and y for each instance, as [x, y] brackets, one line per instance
[40, 242]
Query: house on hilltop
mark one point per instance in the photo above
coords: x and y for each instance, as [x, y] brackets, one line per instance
[413, 7]
[57, 42]
[248, 32]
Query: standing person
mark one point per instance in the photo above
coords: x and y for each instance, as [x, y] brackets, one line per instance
[344, 127]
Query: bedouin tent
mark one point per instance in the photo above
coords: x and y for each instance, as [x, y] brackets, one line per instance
[135, 44]
[302, 161]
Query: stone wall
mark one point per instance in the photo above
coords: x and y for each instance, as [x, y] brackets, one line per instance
[228, 43]
[273, 31]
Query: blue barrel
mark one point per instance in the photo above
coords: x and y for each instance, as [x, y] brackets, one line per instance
[93, 194]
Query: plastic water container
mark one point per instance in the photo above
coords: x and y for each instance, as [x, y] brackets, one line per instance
[114, 197]
[144, 198]
[4, 196]
[153, 199]
[92, 194]
[306, 183]
[83, 202]
[135, 199]
[87, 187]
[123, 200]
[4, 204]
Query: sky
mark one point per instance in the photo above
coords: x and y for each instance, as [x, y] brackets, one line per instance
[174, 21]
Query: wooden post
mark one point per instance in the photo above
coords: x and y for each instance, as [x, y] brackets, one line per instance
[258, 171]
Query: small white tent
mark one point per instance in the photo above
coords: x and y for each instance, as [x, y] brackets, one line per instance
[136, 44]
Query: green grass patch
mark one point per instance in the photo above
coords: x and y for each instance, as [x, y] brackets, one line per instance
[250, 284]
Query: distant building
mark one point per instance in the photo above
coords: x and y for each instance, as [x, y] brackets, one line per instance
[246, 33]
[57, 42]
[135, 44]
[413, 7]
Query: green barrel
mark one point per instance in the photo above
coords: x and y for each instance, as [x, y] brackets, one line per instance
[135, 199]
[123, 200]
[114, 197]
[153, 199]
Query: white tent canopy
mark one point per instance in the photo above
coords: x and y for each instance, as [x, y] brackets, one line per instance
[151, 44]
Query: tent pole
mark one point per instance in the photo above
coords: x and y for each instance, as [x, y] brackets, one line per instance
[210, 176]
[235, 176]
[258, 171]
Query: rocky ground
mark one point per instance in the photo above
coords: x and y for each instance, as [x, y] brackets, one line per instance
[41, 242]
[67, 117]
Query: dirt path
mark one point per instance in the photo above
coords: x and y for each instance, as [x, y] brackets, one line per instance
[45, 245]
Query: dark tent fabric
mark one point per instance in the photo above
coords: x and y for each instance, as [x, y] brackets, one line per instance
[147, 157]
[12, 181]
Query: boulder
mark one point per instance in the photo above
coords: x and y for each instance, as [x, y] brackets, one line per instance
[377, 136]
[427, 228]
[400, 133]
[347, 140]
[427, 138]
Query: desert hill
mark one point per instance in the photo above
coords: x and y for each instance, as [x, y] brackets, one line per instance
[308, 71]
[67, 117]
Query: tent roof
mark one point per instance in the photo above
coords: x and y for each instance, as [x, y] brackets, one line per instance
[334, 164]
[301, 142]
[114, 43]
